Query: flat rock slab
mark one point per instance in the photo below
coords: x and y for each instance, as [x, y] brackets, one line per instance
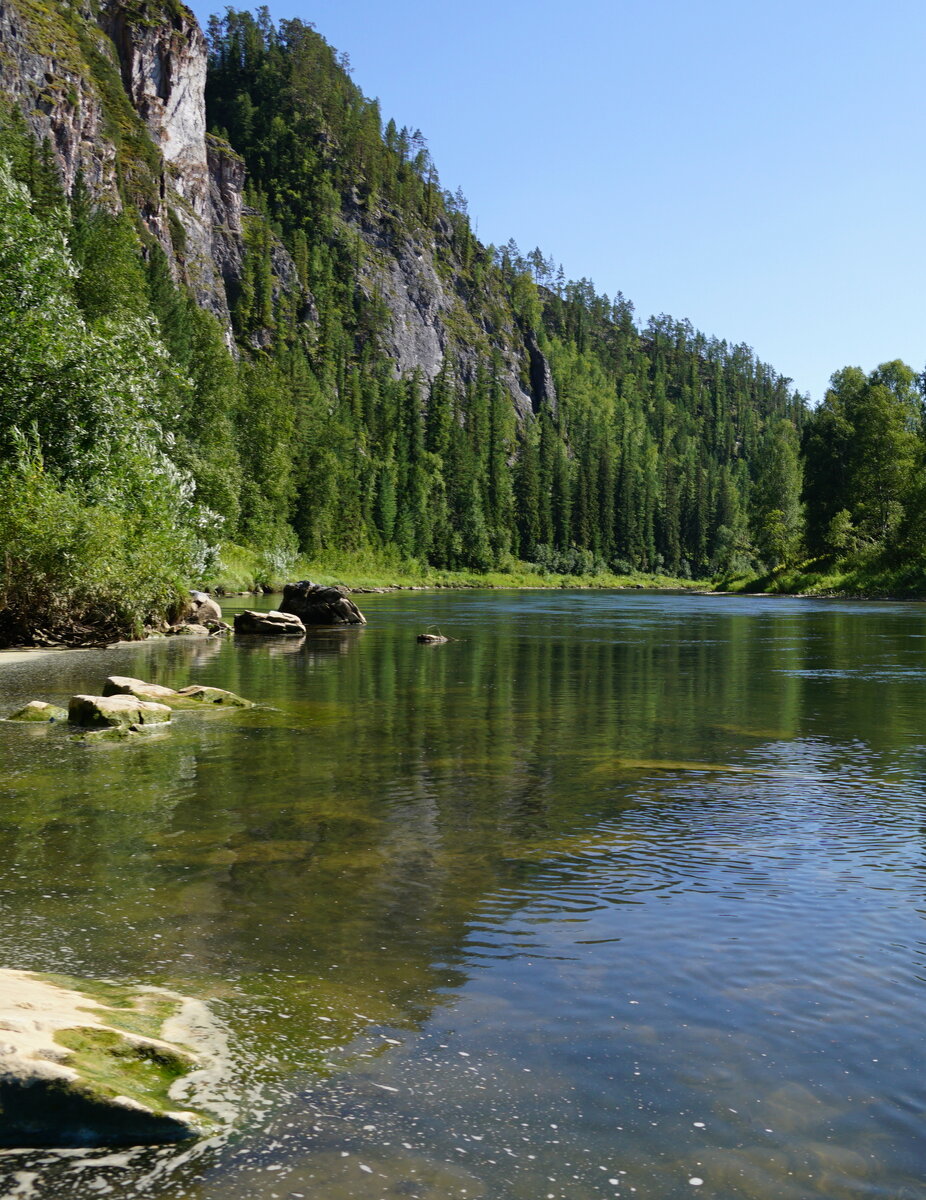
[193, 696]
[199, 696]
[269, 624]
[125, 685]
[98, 712]
[106, 1066]
[38, 711]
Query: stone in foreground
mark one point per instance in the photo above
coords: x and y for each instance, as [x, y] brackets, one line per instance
[100, 712]
[317, 605]
[39, 711]
[100, 1065]
[193, 696]
[269, 624]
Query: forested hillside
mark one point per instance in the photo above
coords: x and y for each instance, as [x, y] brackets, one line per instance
[266, 323]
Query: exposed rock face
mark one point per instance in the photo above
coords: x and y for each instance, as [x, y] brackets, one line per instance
[424, 308]
[226, 186]
[163, 70]
[188, 185]
[269, 624]
[317, 605]
[71, 1076]
[58, 101]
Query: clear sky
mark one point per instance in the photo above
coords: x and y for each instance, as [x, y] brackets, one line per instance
[756, 167]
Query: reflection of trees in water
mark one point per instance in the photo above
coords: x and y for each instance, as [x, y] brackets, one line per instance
[379, 793]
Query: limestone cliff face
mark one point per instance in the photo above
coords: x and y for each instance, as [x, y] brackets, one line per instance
[163, 70]
[430, 324]
[43, 69]
[121, 101]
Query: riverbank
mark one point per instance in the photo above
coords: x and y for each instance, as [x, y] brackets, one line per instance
[241, 570]
[871, 579]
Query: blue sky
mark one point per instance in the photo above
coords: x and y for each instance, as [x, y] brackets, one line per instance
[755, 167]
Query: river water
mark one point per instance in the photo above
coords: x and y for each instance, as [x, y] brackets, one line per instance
[617, 894]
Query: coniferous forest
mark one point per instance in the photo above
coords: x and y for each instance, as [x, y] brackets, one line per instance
[146, 430]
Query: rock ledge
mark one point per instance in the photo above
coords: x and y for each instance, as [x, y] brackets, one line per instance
[105, 1066]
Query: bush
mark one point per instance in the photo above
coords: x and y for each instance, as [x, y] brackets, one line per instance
[74, 571]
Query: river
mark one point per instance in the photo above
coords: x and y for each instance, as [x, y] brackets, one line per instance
[617, 894]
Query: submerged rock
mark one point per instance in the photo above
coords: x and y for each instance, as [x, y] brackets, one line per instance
[269, 624]
[90, 1064]
[314, 604]
[39, 711]
[121, 733]
[96, 712]
[195, 695]
[188, 629]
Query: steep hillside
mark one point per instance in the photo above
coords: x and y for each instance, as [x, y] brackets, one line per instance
[334, 359]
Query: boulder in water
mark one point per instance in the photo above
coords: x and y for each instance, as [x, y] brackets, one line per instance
[195, 695]
[38, 711]
[314, 604]
[269, 624]
[100, 712]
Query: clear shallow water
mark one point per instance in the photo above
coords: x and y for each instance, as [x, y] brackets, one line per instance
[617, 892]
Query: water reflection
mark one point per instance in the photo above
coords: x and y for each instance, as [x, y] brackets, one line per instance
[610, 889]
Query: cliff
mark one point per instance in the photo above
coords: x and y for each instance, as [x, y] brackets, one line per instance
[118, 92]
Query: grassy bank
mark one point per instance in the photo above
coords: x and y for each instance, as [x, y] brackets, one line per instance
[872, 578]
[242, 569]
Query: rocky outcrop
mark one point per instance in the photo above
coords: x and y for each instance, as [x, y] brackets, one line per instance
[268, 624]
[317, 605]
[43, 70]
[428, 322]
[71, 1074]
[543, 389]
[226, 186]
[119, 95]
[163, 69]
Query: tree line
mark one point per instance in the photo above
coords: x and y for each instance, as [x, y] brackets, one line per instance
[123, 411]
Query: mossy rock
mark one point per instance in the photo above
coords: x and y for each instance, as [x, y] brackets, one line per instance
[101, 1065]
[99, 712]
[196, 695]
[38, 712]
[193, 696]
[121, 733]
